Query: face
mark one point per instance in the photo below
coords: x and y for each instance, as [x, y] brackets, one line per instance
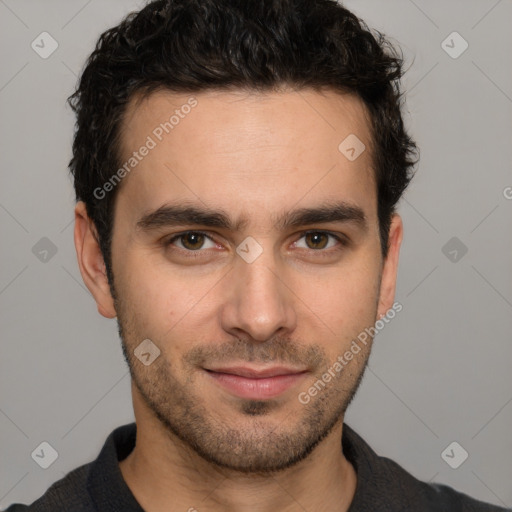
[246, 249]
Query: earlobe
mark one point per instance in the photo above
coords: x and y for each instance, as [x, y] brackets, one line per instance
[91, 262]
[390, 268]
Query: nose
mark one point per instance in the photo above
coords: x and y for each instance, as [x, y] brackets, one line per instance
[258, 302]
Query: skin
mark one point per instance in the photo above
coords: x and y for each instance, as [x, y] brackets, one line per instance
[300, 303]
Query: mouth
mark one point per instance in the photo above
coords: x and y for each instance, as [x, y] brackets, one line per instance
[256, 383]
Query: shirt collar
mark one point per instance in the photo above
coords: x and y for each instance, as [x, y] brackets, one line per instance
[109, 491]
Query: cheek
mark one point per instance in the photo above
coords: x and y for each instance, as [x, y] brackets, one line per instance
[345, 301]
[161, 301]
[147, 297]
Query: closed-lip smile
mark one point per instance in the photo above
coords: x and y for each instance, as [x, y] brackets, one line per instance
[256, 383]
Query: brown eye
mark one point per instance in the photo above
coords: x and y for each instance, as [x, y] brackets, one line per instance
[316, 240]
[191, 241]
[321, 242]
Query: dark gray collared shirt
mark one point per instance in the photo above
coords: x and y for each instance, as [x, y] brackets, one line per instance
[382, 485]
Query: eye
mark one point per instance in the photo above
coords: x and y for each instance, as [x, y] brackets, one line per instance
[198, 241]
[192, 241]
[319, 240]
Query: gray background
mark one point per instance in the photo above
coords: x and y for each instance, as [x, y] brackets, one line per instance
[440, 371]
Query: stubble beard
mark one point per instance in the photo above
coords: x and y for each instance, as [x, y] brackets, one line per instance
[261, 445]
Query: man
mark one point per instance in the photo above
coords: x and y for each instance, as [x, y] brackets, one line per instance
[237, 164]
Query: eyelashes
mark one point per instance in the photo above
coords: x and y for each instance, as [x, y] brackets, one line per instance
[196, 237]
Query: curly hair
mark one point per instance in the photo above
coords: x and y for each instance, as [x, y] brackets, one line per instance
[260, 45]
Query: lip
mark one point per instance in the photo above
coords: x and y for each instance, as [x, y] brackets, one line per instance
[256, 384]
[255, 373]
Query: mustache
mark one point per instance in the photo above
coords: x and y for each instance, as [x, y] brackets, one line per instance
[277, 349]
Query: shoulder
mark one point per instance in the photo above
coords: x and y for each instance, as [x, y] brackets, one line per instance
[403, 492]
[92, 486]
[384, 485]
[447, 498]
[68, 493]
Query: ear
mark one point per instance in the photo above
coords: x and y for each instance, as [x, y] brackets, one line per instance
[91, 263]
[390, 267]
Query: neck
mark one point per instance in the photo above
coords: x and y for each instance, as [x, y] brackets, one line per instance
[165, 474]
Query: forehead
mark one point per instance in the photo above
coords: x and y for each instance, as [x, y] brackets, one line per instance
[246, 150]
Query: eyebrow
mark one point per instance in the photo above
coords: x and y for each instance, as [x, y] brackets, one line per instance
[170, 215]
